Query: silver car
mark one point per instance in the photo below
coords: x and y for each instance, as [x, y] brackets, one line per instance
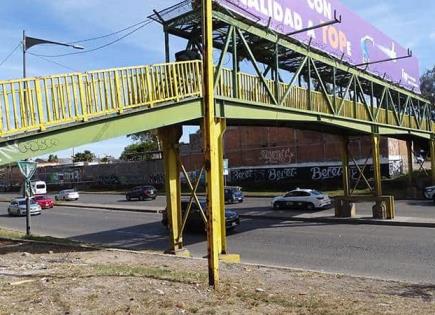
[17, 207]
[68, 194]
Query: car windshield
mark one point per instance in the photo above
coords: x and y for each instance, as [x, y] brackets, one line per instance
[69, 191]
[23, 202]
[38, 198]
[316, 193]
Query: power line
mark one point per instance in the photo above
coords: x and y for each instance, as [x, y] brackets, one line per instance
[99, 47]
[108, 35]
[10, 54]
[54, 62]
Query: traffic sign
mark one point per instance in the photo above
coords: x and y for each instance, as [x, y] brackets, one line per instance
[27, 168]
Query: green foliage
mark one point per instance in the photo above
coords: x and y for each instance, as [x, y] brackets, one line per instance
[53, 158]
[86, 156]
[427, 85]
[137, 151]
[144, 142]
[105, 159]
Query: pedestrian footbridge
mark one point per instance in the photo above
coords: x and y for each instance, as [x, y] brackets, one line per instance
[47, 114]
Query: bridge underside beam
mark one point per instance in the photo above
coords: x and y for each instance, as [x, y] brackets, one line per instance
[40, 143]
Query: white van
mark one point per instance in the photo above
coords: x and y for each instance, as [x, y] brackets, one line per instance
[39, 188]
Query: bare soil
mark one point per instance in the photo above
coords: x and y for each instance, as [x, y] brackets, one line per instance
[57, 279]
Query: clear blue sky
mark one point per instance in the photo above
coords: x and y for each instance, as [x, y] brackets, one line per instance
[408, 22]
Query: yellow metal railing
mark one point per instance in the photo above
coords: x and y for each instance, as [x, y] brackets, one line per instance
[252, 89]
[38, 103]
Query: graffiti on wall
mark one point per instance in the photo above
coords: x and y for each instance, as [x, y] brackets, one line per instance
[279, 156]
[313, 173]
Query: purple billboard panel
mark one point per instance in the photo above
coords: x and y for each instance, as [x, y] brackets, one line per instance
[354, 40]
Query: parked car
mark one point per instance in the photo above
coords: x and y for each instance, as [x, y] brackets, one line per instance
[233, 194]
[68, 194]
[44, 201]
[305, 198]
[429, 193]
[141, 193]
[17, 207]
[195, 222]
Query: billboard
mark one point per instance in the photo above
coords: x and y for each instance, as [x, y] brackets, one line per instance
[354, 40]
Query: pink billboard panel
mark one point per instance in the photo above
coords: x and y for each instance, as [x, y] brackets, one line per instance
[354, 40]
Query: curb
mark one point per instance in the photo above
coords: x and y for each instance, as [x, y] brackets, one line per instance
[107, 207]
[343, 221]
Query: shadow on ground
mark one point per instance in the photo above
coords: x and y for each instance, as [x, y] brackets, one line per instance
[9, 247]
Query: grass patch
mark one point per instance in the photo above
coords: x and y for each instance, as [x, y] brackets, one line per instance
[159, 273]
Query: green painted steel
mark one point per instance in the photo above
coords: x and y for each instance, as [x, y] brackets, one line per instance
[40, 143]
[335, 98]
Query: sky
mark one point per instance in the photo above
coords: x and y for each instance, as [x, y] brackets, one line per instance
[408, 22]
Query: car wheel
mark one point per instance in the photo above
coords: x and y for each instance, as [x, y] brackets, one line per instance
[310, 206]
[9, 212]
[433, 198]
[55, 198]
[141, 198]
[128, 198]
[276, 206]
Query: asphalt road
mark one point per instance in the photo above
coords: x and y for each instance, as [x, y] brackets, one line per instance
[399, 253]
[405, 208]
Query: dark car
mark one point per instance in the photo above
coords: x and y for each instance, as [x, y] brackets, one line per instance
[141, 193]
[233, 194]
[195, 222]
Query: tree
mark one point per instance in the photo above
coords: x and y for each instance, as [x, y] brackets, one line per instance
[105, 159]
[86, 156]
[144, 142]
[427, 85]
[53, 158]
[137, 151]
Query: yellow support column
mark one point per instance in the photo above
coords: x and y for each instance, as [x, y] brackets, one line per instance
[211, 132]
[343, 207]
[379, 209]
[410, 161]
[376, 152]
[223, 250]
[170, 136]
[432, 158]
[345, 162]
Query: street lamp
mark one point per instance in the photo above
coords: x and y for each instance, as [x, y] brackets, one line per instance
[29, 42]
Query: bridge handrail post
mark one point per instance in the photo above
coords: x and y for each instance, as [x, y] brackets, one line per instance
[39, 101]
[149, 85]
[83, 101]
[118, 93]
[175, 81]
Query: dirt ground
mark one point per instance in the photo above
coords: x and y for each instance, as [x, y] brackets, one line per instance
[47, 279]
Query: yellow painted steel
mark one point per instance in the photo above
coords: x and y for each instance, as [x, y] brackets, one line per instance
[40, 103]
[345, 163]
[223, 239]
[377, 175]
[170, 138]
[211, 132]
[410, 161]
[432, 158]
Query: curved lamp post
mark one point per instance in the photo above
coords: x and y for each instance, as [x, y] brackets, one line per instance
[29, 42]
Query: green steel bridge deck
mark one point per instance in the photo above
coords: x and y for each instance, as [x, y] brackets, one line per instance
[46, 114]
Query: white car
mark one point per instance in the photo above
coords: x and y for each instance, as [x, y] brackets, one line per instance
[302, 198]
[18, 207]
[429, 193]
[68, 194]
